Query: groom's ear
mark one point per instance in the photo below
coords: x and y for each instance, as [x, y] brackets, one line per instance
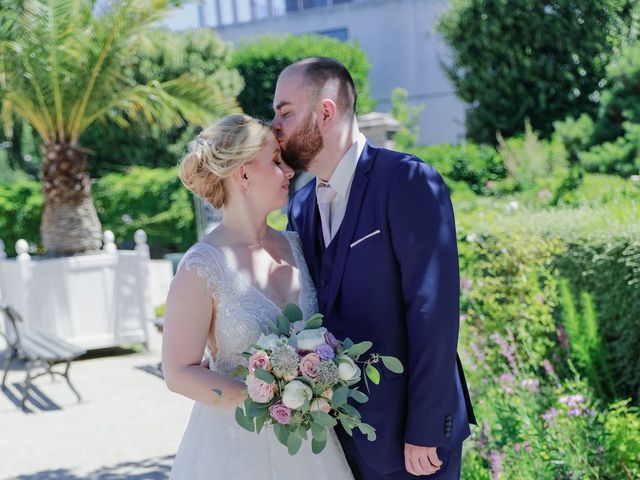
[327, 114]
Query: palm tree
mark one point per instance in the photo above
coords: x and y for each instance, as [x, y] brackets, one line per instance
[64, 69]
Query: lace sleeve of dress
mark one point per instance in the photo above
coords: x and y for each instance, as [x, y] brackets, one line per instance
[206, 262]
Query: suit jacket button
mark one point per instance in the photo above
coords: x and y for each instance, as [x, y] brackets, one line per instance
[323, 283]
[447, 435]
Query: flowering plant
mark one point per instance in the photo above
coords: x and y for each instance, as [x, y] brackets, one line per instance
[299, 378]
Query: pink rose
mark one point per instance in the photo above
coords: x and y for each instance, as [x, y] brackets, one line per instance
[260, 359]
[309, 365]
[280, 413]
[258, 390]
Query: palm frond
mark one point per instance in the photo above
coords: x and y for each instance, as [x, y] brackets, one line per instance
[167, 104]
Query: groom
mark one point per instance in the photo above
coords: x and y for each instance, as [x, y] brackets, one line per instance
[378, 234]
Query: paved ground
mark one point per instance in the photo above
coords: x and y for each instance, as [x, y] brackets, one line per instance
[127, 426]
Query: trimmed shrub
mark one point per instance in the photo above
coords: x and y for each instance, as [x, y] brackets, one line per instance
[479, 166]
[260, 61]
[21, 207]
[151, 199]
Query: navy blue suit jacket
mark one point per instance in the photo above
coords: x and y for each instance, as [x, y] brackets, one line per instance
[399, 289]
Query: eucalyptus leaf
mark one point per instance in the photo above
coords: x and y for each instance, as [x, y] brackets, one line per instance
[358, 396]
[346, 425]
[294, 443]
[339, 397]
[318, 445]
[324, 419]
[293, 313]
[240, 371]
[283, 324]
[244, 421]
[347, 343]
[392, 363]
[260, 422]
[263, 375]
[359, 348]
[350, 410]
[318, 432]
[282, 434]
[313, 322]
[373, 374]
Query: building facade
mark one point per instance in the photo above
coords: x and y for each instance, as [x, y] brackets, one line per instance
[397, 36]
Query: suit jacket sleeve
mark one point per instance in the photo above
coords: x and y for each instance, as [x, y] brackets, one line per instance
[423, 236]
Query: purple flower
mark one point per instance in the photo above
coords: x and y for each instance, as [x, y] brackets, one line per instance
[325, 351]
[572, 401]
[496, 464]
[280, 413]
[550, 414]
[466, 283]
[574, 412]
[506, 349]
[548, 367]
[531, 384]
[507, 382]
[331, 340]
[522, 446]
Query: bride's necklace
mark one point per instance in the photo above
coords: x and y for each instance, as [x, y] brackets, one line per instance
[253, 243]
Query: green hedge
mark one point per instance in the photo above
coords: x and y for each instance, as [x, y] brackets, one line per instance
[475, 165]
[518, 257]
[21, 206]
[151, 199]
[261, 60]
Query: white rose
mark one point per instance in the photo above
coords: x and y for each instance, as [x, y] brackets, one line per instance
[294, 394]
[310, 339]
[268, 341]
[347, 370]
[320, 404]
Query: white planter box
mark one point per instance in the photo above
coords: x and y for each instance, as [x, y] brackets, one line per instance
[93, 301]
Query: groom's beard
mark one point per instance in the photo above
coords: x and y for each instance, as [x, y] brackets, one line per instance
[303, 145]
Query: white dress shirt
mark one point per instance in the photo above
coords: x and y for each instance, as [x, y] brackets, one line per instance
[341, 181]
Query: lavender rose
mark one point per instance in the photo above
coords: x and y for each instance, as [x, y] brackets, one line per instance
[280, 413]
[325, 352]
[331, 340]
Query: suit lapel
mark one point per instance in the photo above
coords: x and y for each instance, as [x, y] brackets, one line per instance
[350, 221]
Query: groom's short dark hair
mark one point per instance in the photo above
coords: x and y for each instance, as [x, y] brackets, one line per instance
[318, 70]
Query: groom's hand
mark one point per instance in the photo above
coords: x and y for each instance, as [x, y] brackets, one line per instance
[421, 460]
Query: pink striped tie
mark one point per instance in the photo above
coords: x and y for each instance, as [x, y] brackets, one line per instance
[325, 195]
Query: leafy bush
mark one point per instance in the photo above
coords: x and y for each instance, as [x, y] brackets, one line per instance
[260, 61]
[529, 59]
[151, 199]
[479, 166]
[21, 206]
[621, 101]
[621, 156]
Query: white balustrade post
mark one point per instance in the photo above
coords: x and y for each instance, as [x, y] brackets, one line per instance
[144, 286]
[3, 253]
[22, 249]
[108, 243]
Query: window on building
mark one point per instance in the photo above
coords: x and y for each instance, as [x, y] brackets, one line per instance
[341, 34]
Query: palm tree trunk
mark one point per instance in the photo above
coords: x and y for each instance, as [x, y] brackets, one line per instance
[70, 224]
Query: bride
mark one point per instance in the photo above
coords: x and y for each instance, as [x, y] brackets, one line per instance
[227, 286]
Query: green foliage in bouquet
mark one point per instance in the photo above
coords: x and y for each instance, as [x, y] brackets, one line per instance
[306, 378]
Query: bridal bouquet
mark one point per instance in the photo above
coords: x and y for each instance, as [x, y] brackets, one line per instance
[299, 378]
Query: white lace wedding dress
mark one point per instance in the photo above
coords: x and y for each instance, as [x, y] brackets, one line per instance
[214, 446]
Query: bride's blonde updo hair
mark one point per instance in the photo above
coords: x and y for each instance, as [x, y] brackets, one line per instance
[218, 151]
